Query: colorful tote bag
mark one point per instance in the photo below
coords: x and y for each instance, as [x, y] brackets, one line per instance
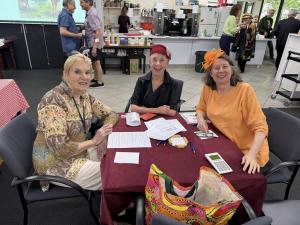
[211, 200]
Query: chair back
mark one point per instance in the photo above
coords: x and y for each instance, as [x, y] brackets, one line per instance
[16, 142]
[284, 130]
[177, 92]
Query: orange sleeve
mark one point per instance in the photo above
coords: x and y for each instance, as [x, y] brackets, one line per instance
[252, 113]
[201, 107]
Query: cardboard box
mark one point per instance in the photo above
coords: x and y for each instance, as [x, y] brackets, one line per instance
[134, 66]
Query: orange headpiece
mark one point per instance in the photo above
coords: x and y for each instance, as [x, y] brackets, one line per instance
[210, 56]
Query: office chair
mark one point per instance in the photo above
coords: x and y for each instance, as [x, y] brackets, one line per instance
[284, 143]
[16, 143]
[177, 92]
[163, 220]
[283, 212]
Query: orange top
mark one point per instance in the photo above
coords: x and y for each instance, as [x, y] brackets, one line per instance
[237, 114]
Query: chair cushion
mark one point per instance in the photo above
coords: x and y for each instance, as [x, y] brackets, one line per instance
[283, 212]
[35, 193]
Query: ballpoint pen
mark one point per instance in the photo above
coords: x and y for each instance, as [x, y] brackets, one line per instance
[160, 142]
[192, 147]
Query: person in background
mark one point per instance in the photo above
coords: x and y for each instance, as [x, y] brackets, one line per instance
[62, 147]
[255, 22]
[282, 31]
[94, 39]
[232, 107]
[69, 35]
[123, 20]
[245, 41]
[265, 28]
[230, 28]
[156, 92]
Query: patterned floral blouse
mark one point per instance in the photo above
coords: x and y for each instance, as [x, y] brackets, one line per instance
[60, 130]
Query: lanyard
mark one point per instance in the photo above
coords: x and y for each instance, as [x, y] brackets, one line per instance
[82, 117]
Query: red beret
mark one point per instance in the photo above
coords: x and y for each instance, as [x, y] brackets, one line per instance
[161, 49]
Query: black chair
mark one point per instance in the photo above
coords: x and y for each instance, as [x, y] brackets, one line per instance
[177, 92]
[16, 142]
[163, 220]
[283, 212]
[284, 143]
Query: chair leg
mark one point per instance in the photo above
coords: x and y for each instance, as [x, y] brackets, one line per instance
[92, 210]
[24, 205]
[287, 190]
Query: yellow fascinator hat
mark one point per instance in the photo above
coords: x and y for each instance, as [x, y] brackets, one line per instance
[210, 56]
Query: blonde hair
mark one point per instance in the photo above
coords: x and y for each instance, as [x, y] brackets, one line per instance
[71, 60]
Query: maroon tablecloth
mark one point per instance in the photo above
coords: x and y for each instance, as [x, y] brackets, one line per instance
[122, 182]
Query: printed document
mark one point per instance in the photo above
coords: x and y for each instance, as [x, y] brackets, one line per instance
[128, 140]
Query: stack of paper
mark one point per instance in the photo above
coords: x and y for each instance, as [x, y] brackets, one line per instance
[189, 117]
[162, 129]
[128, 140]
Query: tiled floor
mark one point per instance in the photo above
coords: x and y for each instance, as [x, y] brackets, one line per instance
[119, 87]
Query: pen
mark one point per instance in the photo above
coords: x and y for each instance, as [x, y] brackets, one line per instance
[192, 147]
[160, 142]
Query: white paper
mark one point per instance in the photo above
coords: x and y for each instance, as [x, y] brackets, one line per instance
[154, 122]
[178, 141]
[161, 129]
[189, 117]
[195, 9]
[130, 12]
[127, 157]
[133, 119]
[159, 7]
[128, 140]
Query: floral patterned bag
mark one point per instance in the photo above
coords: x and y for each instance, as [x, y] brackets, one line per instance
[211, 200]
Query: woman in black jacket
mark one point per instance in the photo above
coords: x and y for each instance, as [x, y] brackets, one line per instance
[245, 42]
[123, 20]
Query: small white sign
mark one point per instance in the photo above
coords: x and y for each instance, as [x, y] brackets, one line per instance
[130, 12]
[159, 7]
[195, 9]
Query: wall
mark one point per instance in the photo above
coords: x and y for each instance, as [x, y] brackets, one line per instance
[36, 46]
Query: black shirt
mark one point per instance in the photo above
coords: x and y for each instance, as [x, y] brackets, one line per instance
[123, 21]
[166, 94]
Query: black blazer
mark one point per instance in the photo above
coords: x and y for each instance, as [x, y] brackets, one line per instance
[283, 29]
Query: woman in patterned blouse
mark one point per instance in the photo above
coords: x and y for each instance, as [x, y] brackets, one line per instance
[62, 146]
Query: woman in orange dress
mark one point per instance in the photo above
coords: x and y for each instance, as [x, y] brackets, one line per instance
[232, 107]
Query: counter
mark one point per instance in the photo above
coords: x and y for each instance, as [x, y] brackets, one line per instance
[183, 48]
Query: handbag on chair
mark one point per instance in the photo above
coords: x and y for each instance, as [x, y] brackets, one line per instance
[211, 200]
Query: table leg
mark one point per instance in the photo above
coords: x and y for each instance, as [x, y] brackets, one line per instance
[144, 65]
[13, 57]
[1, 61]
[1, 74]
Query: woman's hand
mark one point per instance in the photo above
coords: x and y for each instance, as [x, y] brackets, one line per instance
[249, 161]
[101, 133]
[164, 109]
[201, 123]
